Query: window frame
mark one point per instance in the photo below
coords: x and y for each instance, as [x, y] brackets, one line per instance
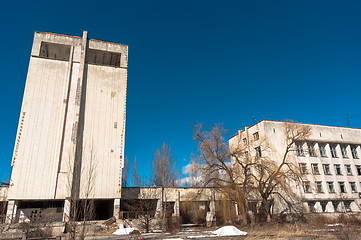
[354, 151]
[343, 148]
[348, 169]
[256, 136]
[358, 170]
[342, 187]
[311, 149]
[299, 149]
[353, 187]
[258, 151]
[319, 187]
[322, 148]
[333, 150]
[307, 187]
[331, 187]
[328, 172]
[303, 168]
[315, 171]
[337, 169]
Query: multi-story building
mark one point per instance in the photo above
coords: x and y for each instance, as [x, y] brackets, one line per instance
[70, 137]
[328, 158]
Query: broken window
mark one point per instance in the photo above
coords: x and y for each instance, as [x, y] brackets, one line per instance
[333, 150]
[337, 169]
[348, 169]
[343, 151]
[256, 136]
[258, 152]
[353, 187]
[307, 187]
[319, 187]
[326, 169]
[315, 170]
[354, 151]
[342, 187]
[299, 149]
[311, 149]
[331, 189]
[303, 168]
[322, 150]
[103, 58]
[55, 51]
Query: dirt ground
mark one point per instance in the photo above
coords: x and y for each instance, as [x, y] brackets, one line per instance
[267, 231]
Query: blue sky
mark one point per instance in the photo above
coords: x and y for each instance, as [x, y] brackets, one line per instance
[200, 62]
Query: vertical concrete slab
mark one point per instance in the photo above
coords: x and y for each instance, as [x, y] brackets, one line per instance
[341, 207]
[317, 208]
[354, 207]
[329, 207]
[116, 211]
[66, 211]
[176, 211]
[11, 212]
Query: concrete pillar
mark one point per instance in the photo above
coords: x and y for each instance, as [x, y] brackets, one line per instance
[306, 207]
[211, 215]
[66, 212]
[159, 209]
[116, 211]
[176, 211]
[341, 207]
[11, 212]
[354, 207]
[317, 208]
[329, 207]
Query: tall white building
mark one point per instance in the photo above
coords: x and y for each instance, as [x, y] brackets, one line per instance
[329, 160]
[72, 124]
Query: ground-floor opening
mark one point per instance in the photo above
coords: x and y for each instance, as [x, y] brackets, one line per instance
[39, 211]
[99, 209]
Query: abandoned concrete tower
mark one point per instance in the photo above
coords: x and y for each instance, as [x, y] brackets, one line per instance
[70, 137]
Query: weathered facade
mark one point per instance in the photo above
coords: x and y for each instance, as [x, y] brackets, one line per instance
[72, 123]
[328, 159]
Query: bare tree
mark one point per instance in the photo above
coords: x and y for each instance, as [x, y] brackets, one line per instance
[82, 207]
[214, 160]
[252, 179]
[143, 207]
[164, 165]
[193, 175]
[135, 177]
[125, 173]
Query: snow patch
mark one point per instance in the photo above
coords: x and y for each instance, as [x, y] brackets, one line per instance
[228, 231]
[123, 231]
[334, 225]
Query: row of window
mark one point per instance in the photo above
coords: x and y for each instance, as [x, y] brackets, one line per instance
[327, 171]
[322, 149]
[330, 186]
[255, 137]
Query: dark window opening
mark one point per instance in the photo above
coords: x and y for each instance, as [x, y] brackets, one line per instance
[55, 51]
[103, 58]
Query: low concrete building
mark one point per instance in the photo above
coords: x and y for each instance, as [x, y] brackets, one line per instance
[328, 159]
[194, 205]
